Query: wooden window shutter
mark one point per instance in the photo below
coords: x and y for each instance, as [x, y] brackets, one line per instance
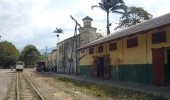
[159, 37]
[100, 49]
[113, 46]
[132, 42]
[91, 50]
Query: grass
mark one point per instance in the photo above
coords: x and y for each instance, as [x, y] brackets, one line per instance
[110, 92]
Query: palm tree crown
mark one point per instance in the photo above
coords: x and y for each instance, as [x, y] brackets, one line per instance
[114, 6]
[58, 31]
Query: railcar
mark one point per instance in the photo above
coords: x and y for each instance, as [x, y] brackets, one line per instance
[19, 66]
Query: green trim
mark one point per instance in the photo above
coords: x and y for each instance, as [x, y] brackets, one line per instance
[141, 73]
[85, 70]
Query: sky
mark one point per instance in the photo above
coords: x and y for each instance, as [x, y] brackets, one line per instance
[24, 22]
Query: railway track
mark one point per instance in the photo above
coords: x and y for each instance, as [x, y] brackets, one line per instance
[21, 88]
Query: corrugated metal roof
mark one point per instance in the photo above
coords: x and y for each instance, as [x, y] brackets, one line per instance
[150, 24]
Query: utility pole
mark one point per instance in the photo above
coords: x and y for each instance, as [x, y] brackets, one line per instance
[46, 49]
[75, 21]
[74, 38]
[46, 60]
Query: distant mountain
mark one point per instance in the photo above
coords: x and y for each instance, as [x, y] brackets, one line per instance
[43, 51]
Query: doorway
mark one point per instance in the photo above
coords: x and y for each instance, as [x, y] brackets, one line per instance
[100, 67]
[161, 66]
[168, 66]
[158, 62]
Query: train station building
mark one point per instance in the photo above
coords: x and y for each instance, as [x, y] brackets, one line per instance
[140, 53]
[65, 59]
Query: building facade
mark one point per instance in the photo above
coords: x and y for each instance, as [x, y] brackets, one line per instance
[51, 61]
[140, 53]
[67, 57]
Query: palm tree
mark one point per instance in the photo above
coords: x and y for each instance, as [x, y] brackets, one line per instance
[58, 31]
[113, 6]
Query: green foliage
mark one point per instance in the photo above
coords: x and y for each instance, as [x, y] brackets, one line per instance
[58, 31]
[30, 55]
[114, 6]
[132, 16]
[99, 35]
[110, 5]
[42, 57]
[8, 54]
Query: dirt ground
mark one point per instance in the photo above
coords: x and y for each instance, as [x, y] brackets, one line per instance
[48, 86]
[6, 76]
[52, 89]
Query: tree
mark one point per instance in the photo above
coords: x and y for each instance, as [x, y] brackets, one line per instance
[99, 34]
[132, 16]
[58, 31]
[113, 6]
[29, 55]
[8, 54]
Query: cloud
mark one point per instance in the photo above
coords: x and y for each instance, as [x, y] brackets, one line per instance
[16, 17]
[33, 21]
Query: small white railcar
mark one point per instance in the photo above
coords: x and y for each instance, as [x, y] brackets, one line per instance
[19, 66]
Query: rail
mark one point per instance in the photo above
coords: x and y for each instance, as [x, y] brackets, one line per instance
[17, 88]
[32, 86]
[40, 96]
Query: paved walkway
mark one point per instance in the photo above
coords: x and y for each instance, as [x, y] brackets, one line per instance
[156, 90]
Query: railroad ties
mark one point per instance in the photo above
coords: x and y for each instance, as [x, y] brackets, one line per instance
[21, 88]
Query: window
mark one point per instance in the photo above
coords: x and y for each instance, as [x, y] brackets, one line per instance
[113, 46]
[100, 48]
[132, 42]
[159, 37]
[91, 50]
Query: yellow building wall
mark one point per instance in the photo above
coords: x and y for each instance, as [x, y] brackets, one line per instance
[116, 55]
[87, 60]
[142, 54]
[128, 64]
[135, 55]
[160, 45]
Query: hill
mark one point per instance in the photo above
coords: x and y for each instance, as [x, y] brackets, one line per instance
[43, 51]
